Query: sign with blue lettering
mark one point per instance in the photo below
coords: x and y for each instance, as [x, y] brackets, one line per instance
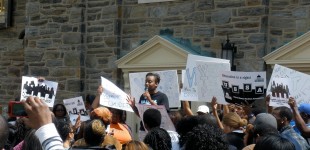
[112, 96]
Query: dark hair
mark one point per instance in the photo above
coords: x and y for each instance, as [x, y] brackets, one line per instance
[4, 132]
[20, 132]
[63, 106]
[274, 142]
[64, 129]
[207, 119]
[285, 112]
[158, 139]
[152, 118]
[31, 141]
[205, 137]
[90, 98]
[94, 132]
[264, 129]
[156, 75]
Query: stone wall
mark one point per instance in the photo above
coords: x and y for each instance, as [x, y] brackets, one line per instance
[12, 55]
[74, 42]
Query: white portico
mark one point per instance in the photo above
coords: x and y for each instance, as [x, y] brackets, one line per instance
[158, 53]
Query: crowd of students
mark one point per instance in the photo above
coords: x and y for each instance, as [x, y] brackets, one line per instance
[221, 127]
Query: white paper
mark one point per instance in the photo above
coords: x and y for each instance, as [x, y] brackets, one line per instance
[298, 83]
[189, 91]
[45, 90]
[168, 84]
[113, 96]
[209, 80]
[75, 106]
[243, 88]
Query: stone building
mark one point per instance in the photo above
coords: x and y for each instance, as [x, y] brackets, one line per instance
[74, 42]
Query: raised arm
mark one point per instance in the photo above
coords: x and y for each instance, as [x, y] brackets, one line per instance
[132, 103]
[96, 101]
[214, 109]
[300, 123]
[267, 102]
[187, 110]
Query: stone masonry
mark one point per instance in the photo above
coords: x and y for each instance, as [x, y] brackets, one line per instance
[74, 42]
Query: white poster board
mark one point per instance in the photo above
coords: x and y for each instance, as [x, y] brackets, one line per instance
[113, 97]
[75, 106]
[243, 88]
[209, 80]
[166, 122]
[189, 91]
[168, 84]
[45, 90]
[286, 81]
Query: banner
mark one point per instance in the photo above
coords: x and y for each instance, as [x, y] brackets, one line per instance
[113, 97]
[75, 106]
[285, 82]
[243, 88]
[166, 122]
[189, 91]
[168, 84]
[45, 90]
[209, 80]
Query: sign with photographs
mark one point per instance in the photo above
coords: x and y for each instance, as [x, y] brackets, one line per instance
[75, 106]
[45, 90]
[114, 97]
[243, 88]
[168, 84]
[284, 83]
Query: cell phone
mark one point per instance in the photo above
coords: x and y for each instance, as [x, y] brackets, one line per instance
[16, 109]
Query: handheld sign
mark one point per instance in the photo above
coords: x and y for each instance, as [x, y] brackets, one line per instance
[243, 88]
[114, 97]
[45, 90]
[284, 83]
[190, 90]
[75, 106]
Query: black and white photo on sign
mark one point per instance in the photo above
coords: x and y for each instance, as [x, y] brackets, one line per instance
[243, 87]
[45, 90]
[288, 82]
[75, 106]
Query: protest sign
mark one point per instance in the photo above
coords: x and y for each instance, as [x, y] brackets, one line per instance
[166, 122]
[75, 106]
[45, 90]
[284, 83]
[189, 91]
[243, 88]
[209, 80]
[113, 97]
[168, 85]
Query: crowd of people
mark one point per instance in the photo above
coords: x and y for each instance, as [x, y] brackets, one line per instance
[213, 127]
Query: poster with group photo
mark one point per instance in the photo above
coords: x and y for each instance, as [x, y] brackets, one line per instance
[189, 91]
[168, 84]
[113, 97]
[166, 122]
[284, 83]
[45, 90]
[75, 106]
[243, 88]
[279, 91]
[209, 80]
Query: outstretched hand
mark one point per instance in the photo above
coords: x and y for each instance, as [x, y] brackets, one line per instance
[267, 100]
[38, 113]
[292, 102]
[214, 103]
[131, 100]
[100, 90]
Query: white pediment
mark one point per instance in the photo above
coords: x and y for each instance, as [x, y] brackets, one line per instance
[295, 54]
[157, 53]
